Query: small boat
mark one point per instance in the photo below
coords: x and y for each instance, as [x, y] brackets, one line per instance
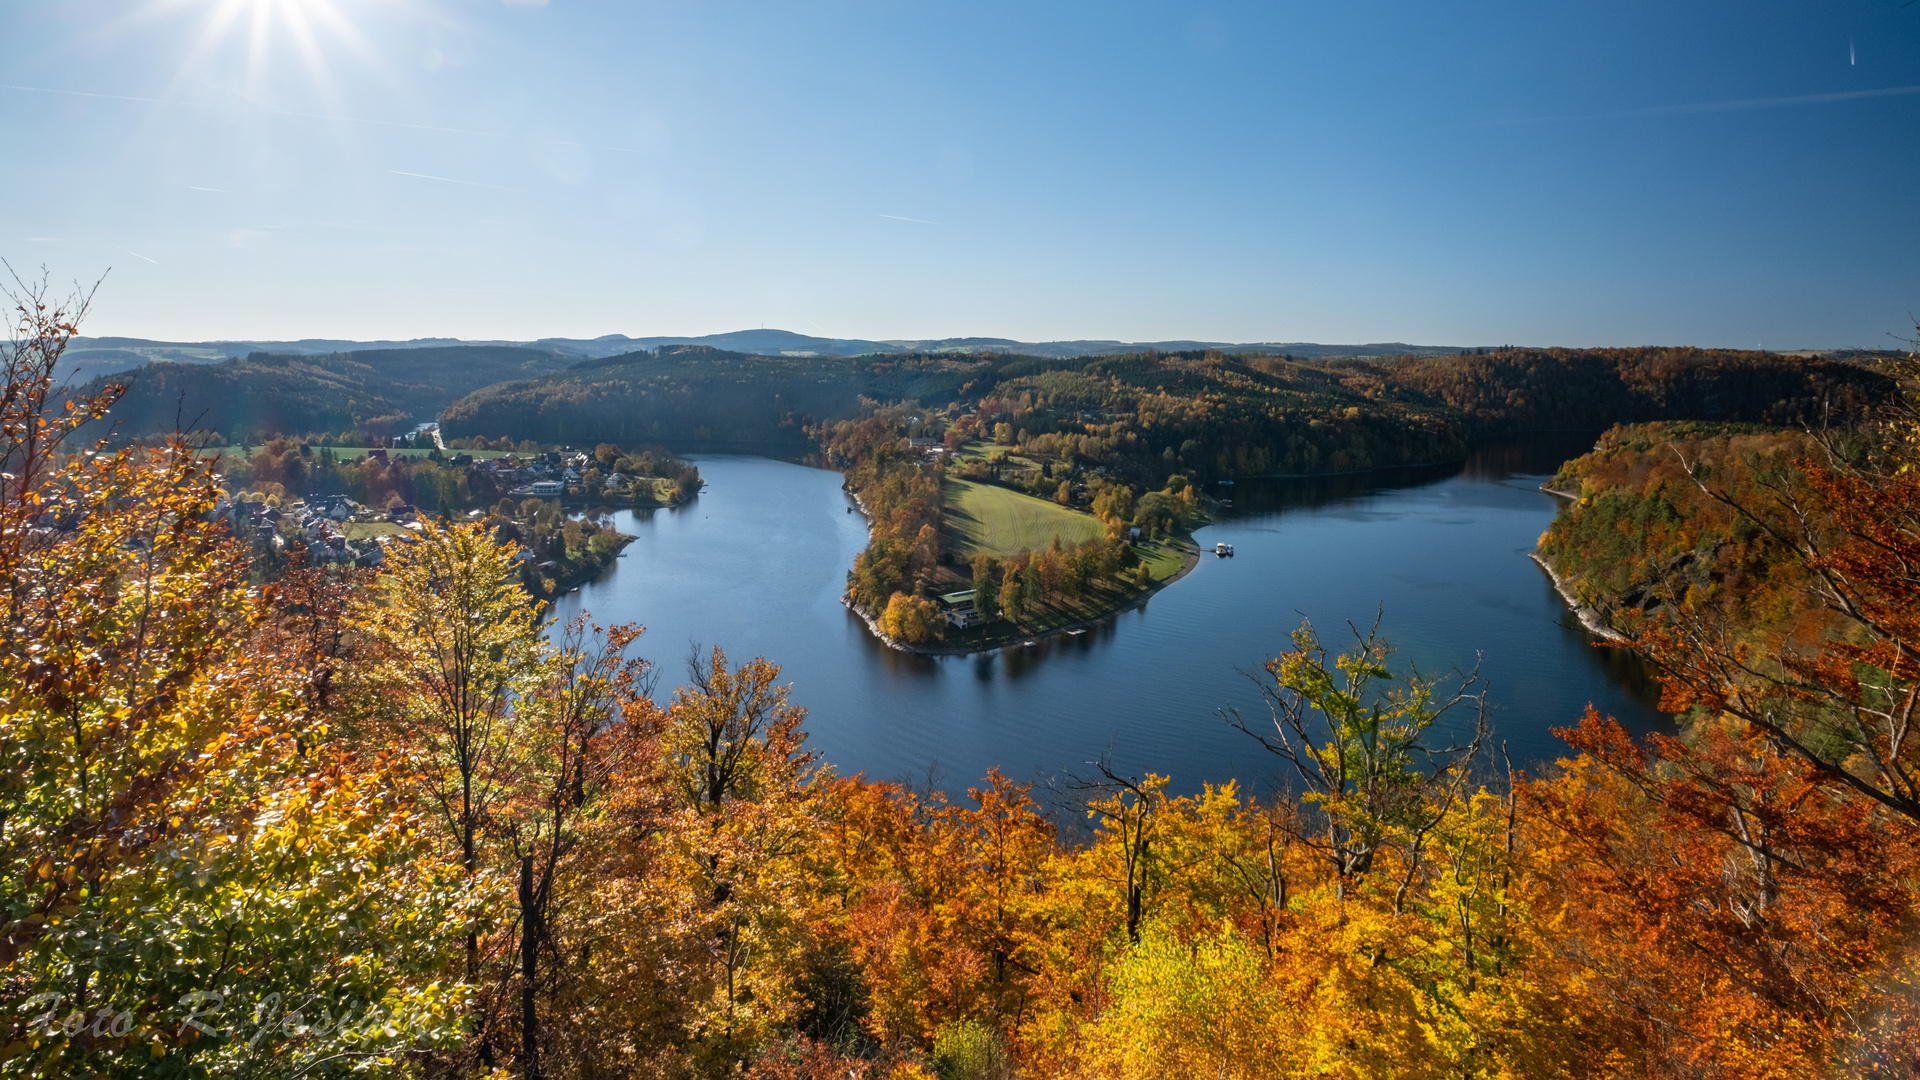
[1226, 502]
[1028, 644]
[1075, 633]
[1223, 549]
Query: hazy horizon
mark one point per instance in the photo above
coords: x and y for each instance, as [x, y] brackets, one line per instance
[1173, 341]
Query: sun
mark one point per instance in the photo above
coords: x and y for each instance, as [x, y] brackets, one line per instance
[268, 30]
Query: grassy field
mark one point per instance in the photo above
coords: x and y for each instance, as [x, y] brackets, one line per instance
[366, 530]
[982, 451]
[1003, 522]
[1163, 560]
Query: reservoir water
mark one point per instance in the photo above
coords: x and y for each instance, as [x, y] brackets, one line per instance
[757, 563]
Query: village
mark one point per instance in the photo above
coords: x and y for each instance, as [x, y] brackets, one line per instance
[333, 528]
[566, 472]
[362, 501]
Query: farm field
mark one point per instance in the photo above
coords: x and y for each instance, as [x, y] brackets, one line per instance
[1002, 522]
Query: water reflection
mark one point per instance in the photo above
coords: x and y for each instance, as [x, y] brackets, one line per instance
[758, 562]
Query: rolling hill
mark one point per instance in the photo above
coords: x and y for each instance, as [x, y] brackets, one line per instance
[380, 392]
[94, 356]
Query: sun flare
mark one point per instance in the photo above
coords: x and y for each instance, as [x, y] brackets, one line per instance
[264, 31]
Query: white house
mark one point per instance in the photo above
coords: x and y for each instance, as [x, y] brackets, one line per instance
[959, 610]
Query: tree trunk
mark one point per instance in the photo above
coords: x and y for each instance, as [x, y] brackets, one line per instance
[529, 953]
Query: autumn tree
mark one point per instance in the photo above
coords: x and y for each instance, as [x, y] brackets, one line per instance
[452, 642]
[1759, 869]
[1128, 809]
[986, 585]
[942, 906]
[1362, 744]
[587, 711]
[739, 845]
[911, 619]
[195, 880]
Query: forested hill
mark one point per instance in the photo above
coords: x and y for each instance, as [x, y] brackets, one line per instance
[1640, 534]
[378, 392]
[1149, 414]
[1521, 389]
[695, 398]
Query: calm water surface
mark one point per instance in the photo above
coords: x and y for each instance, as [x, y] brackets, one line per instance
[756, 565]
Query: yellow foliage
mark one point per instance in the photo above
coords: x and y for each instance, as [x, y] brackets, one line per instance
[911, 619]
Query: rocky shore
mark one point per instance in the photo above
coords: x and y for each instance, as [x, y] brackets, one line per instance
[1595, 622]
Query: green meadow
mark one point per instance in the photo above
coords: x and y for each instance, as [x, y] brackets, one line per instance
[1002, 522]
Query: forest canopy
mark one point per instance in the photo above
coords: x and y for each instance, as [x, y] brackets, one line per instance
[1205, 414]
[377, 392]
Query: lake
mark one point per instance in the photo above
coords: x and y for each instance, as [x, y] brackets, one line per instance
[757, 563]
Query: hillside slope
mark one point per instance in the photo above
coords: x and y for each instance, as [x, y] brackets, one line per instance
[378, 392]
[1149, 414]
[1523, 389]
[694, 398]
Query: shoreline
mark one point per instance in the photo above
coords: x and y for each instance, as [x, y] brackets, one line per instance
[563, 586]
[1588, 617]
[1190, 558]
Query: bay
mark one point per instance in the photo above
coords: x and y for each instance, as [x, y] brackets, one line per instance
[757, 564]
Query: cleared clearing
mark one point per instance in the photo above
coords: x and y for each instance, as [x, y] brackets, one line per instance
[1003, 522]
[366, 530]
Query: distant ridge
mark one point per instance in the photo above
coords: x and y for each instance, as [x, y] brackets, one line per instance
[93, 356]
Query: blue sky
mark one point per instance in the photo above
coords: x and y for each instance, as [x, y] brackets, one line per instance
[1472, 173]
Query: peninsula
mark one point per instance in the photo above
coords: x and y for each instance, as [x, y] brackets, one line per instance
[961, 560]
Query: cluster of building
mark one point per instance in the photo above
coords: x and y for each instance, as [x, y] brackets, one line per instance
[322, 519]
[548, 474]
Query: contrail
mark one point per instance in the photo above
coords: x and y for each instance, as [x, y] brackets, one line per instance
[83, 93]
[215, 190]
[1723, 106]
[897, 217]
[448, 180]
[137, 255]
